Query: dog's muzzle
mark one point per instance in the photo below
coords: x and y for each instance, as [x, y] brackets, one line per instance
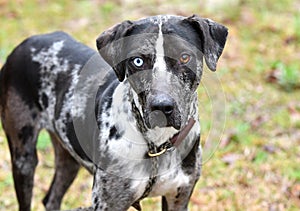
[162, 112]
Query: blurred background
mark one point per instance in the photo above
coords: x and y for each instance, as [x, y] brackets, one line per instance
[257, 163]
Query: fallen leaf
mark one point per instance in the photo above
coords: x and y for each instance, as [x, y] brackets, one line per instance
[294, 110]
[295, 191]
[273, 76]
[258, 121]
[229, 159]
[196, 201]
[290, 40]
[227, 138]
[270, 148]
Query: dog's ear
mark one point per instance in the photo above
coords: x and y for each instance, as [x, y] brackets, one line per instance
[109, 45]
[213, 36]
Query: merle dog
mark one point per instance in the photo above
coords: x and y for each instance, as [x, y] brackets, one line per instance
[147, 130]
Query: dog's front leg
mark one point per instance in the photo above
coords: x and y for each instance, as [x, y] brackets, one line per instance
[192, 163]
[177, 202]
[111, 192]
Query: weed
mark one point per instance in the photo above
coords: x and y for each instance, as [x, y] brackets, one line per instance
[260, 157]
[297, 25]
[289, 78]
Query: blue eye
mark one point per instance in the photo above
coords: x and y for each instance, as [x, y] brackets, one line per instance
[138, 61]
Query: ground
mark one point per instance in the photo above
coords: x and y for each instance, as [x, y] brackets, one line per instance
[250, 107]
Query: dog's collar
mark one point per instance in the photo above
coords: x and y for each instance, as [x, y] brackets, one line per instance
[175, 141]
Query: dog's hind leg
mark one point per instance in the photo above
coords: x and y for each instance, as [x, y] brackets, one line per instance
[66, 169]
[20, 123]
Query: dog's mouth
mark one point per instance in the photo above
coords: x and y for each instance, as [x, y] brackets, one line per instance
[174, 141]
[158, 119]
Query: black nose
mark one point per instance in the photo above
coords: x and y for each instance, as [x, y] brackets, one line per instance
[163, 103]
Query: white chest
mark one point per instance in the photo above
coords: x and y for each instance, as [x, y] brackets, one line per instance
[170, 182]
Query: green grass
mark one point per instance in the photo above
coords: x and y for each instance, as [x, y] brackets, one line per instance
[289, 79]
[44, 141]
[264, 35]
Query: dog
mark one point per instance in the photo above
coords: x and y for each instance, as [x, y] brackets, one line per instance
[138, 132]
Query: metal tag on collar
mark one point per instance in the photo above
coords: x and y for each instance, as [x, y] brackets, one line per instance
[168, 147]
[150, 154]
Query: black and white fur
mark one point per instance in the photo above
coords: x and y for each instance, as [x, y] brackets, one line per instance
[135, 105]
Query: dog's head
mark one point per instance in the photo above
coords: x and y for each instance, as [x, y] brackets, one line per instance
[162, 58]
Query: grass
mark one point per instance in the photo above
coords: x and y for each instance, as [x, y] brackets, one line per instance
[43, 140]
[289, 78]
[261, 136]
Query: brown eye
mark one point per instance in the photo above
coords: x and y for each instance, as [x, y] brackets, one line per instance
[184, 58]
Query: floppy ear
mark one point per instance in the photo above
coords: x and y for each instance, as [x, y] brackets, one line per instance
[109, 45]
[213, 36]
